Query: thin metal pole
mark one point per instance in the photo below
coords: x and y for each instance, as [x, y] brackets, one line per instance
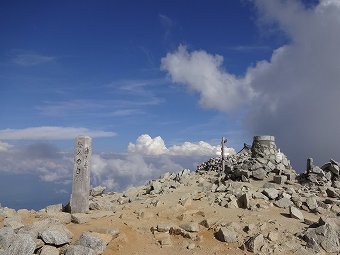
[222, 155]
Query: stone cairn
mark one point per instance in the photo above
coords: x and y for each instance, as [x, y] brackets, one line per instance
[260, 161]
[327, 175]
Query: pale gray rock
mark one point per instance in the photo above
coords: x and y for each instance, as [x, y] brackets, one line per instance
[271, 193]
[63, 217]
[22, 244]
[283, 202]
[163, 227]
[273, 236]
[227, 235]
[259, 174]
[54, 208]
[13, 222]
[80, 250]
[295, 213]
[190, 227]
[156, 187]
[97, 191]
[255, 243]
[40, 226]
[56, 235]
[49, 250]
[7, 212]
[80, 218]
[6, 236]
[325, 236]
[92, 241]
[312, 203]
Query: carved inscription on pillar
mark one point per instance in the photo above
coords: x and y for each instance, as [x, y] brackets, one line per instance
[81, 174]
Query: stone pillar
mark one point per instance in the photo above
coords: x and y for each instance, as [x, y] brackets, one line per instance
[81, 175]
[310, 165]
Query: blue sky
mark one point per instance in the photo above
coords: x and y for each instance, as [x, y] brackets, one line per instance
[186, 71]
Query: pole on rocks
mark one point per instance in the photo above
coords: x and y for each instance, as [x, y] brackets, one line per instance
[81, 175]
[223, 141]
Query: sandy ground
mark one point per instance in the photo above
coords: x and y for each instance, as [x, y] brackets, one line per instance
[135, 220]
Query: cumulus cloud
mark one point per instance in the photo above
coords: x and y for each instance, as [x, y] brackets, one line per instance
[4, 146]
[202, 72]
[51, 133]
[147, 145]
[294, 95]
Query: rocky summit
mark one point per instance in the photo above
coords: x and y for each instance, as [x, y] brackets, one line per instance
[252, 202]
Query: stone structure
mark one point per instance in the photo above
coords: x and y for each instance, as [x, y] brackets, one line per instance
[81, 175]
[260, 161]
[264, 146]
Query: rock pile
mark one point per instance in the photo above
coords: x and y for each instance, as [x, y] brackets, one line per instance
[259, 162]
[327, 175]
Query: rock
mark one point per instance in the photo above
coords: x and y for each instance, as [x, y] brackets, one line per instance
[227, 235]
[190, 227]
[80, 218]
[6, 236]
[259, 174]
[283, 203]
[332, 193]
[63, 217]
[54, 208]
[312, 203]
[295, 213]
[273, 236]
[156, 187]
[79, 250]
[97, 191]
[244, 201]
[280, 179]
[49, 250]
[22, 244]
[92, 241]
[325, 236]
[271, 193]
[56, 235]
[163, 227]
[255, 243]
[14, 222]
[191, 246]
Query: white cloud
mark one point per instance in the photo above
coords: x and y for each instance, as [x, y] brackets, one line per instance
[31, 59]
[294, 95]
[51, 133]
[146, 145]
[4, 146]
[203, 73]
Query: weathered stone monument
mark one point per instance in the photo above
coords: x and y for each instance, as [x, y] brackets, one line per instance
[264, 146]
[81, 175]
